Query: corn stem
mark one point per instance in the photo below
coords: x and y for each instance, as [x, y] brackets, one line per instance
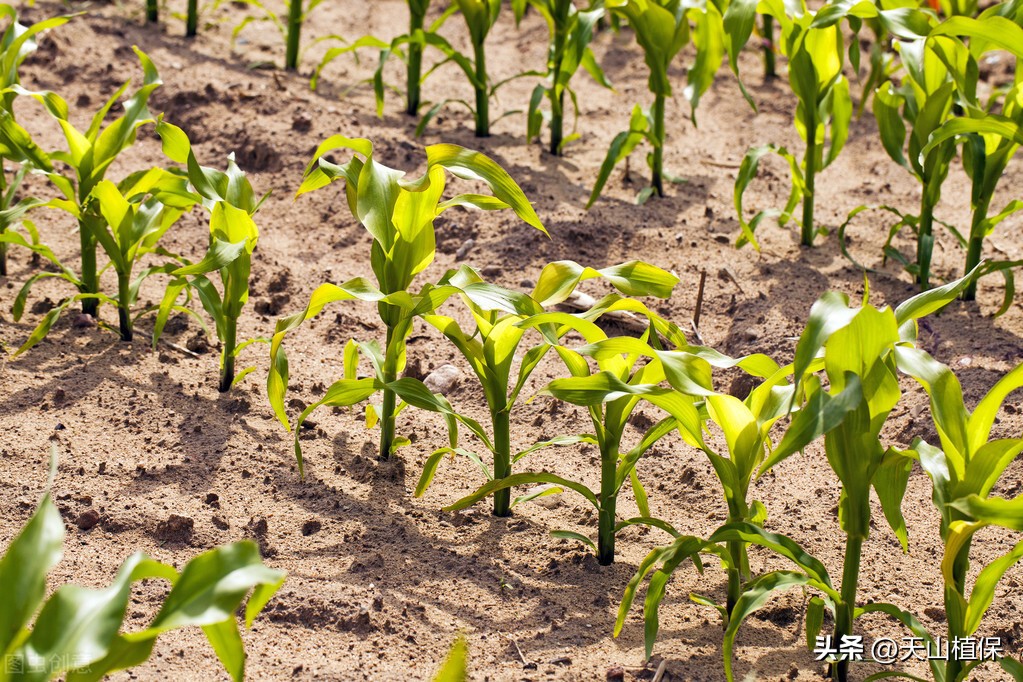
[415, 64]
[769, 66]
[7, 198]
[558, 92]
[807, 232]
[844, 612]
[607, 513]
[124, 305]
[152, 11]
[925, 242]
[90, 277]
[192, 21]
[482, 97]
[227, 358]
[502, 459]
[390, 374]
[657, 163]
[975, 247]
[294, 34]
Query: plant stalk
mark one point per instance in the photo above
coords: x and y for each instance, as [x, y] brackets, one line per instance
[390, 374]
[90, 277]
[502, 460]
[124, 305]
[807, 232]
[557, 123]
[975, 247]
[925, 242]
[482, 98]
[557, 91]
[152, 11]
[227, 361]
[192, 21]
[844, 612]
[415, 65]
[294, 34]
[657, 170]
[607, 514]
[769, 66]
[7, 198]
[956, 628]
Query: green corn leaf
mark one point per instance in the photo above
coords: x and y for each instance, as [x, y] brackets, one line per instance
[755, 595]
[984, 587]
[525, 478]
[454, 668]
[24, 566]
[993, 510]
[782, 545]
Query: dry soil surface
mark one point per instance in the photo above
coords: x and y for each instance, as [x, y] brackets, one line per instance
[379, 582]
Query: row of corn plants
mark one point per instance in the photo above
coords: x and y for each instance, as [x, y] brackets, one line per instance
[839, 392]
[125, 220]
[922, 122]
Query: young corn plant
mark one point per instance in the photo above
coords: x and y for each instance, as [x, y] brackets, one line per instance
[745, 425]
[963, 471]
[814, 45]
[852, 449]
[990, 139]
[399, 215]
[611, 395]
[233, 236]
[816, 57]
[134, 215]
[480, 16]
[571, 31]
[289, 28]
[491, 348]
[88, 157]
[409, 47]
[662, 29]
[907, 116]
[857, 350]
[75, 633]
[16, 43]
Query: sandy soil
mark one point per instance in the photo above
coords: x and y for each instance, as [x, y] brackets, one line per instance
[379, 582]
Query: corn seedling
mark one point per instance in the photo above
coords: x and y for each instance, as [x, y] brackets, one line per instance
[17, 42]
[454, 667]
[75, 633]
[745, 425]
[814, 45]
[662, 29]
[152, 11]
[289, 28]
[923, 103]
[409, 47]
[233, 235]
[133, 216]
[491, 348]
[88, 157]
[570, 31]
[480, 16]
[963, 471]
[399, 214]
[611, 395]
[849, 415]
[857, 349]
[989, 139]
